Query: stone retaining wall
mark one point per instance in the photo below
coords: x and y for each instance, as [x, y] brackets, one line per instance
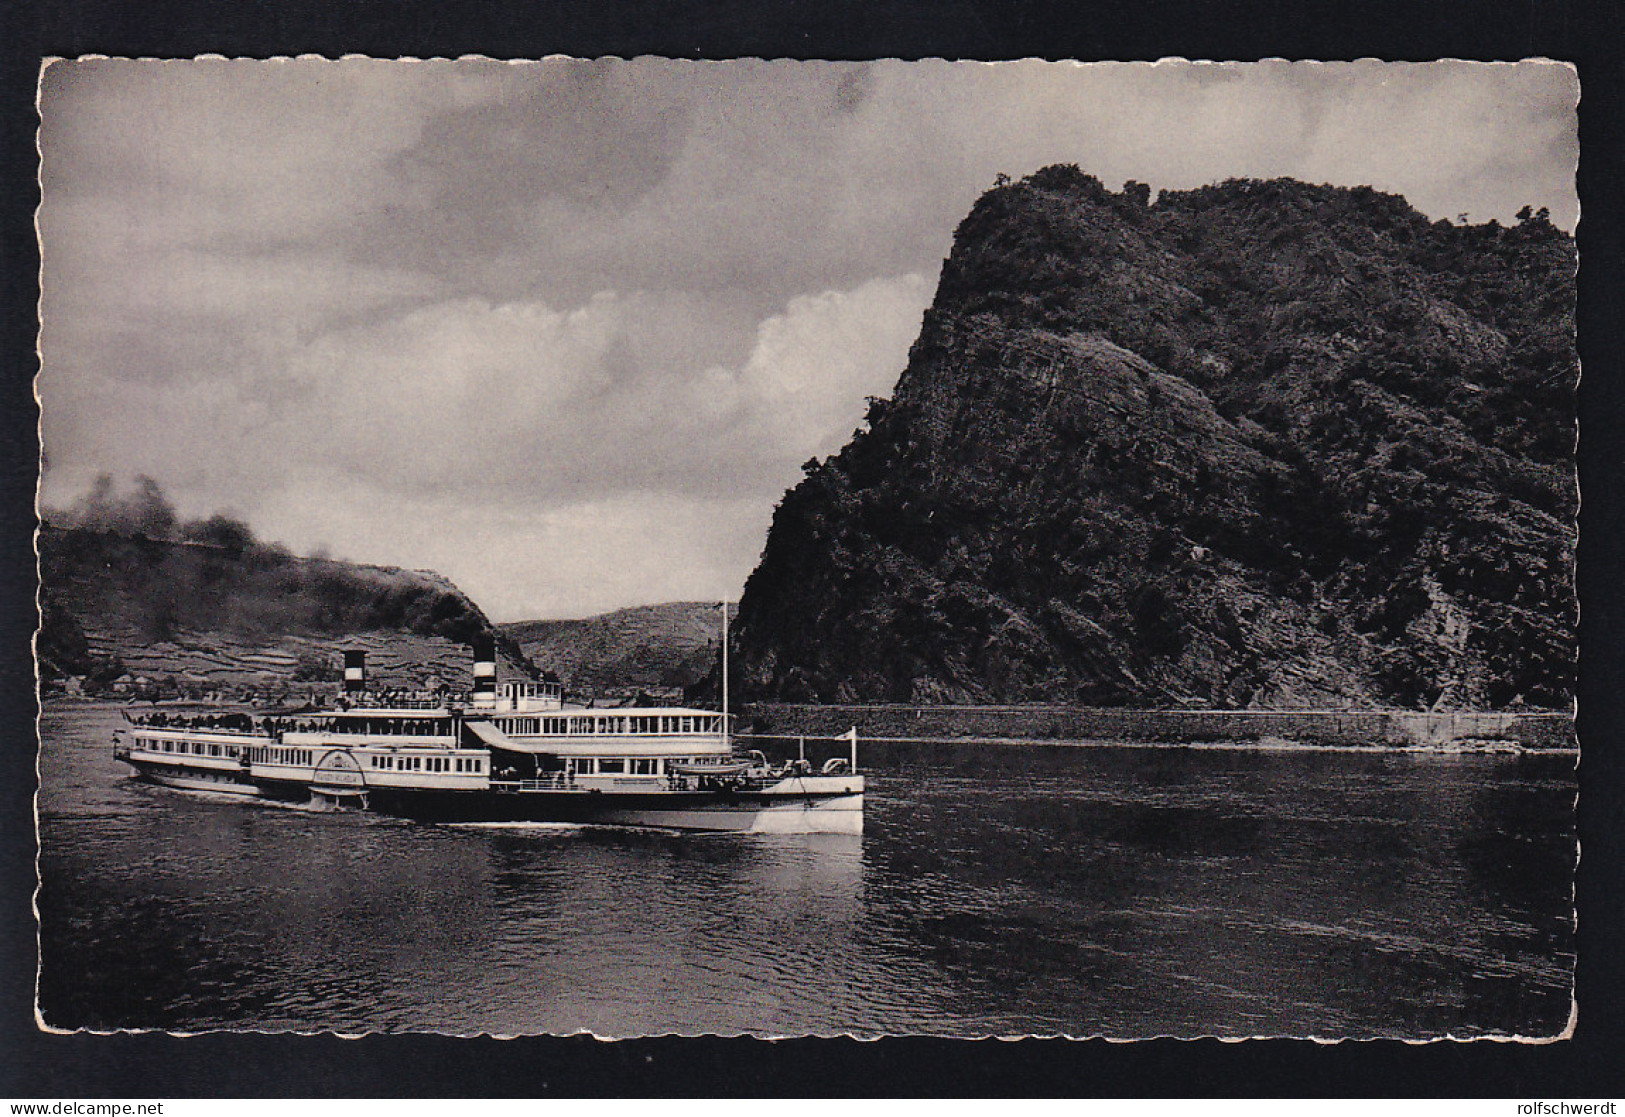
[1330, 727]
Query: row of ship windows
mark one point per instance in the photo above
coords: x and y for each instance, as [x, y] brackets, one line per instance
[264, 755]
[614, 765]
[370, 727]
[581, 766]
[429, 763]
[565, 726]
[258, 755]
[200, 748]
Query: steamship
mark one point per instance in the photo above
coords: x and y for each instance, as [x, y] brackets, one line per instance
[510, 751]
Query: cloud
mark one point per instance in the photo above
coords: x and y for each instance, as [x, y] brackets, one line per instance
[467, 407]
[390, 305]
[814, 365]
[521, 399]
[517, 560]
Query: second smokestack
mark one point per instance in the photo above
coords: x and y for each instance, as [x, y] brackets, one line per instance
[485, 670]
[355, 672]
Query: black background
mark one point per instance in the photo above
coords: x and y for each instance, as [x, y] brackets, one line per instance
[36, 1065]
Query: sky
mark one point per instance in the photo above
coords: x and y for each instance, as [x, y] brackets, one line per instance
[564, 331]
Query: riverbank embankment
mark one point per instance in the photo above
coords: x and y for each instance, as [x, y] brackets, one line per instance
[1040, 723]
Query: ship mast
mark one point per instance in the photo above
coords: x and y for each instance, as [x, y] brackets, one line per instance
[726, 738]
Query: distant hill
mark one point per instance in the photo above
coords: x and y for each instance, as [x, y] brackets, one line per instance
[1259, 444]
[193, 616]
[651, 647]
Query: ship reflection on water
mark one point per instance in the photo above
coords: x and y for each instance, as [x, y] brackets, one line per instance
[997, 891]
[623, 932]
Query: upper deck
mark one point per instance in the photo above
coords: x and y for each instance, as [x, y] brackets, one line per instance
[634, 721]
[525, 695]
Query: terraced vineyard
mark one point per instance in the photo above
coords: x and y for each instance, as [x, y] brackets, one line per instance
[123, 612]
[226, 662]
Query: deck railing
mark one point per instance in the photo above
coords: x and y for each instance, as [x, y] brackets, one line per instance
[533, 785]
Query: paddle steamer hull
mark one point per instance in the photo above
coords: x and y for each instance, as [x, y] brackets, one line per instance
[762, 813]
[224, 781]
[334, 779]
[512, 755]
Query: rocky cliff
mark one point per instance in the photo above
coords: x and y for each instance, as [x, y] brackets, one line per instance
[649, 647]
[1257, 444]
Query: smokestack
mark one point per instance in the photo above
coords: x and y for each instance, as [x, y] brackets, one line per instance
[485, 670]
[355, 672]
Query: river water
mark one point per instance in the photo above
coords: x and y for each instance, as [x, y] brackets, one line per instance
[998, 890]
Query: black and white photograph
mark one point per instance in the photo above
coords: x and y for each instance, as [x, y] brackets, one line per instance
[660, 547]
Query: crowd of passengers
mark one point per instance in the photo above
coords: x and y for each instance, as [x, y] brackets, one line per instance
[240, 723]
[397, 699]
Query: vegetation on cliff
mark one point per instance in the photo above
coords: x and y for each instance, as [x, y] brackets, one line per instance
[127, 571]
[1257, 444]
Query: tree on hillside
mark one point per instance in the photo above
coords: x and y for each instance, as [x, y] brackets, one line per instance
[220, 531]
[146, 511]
